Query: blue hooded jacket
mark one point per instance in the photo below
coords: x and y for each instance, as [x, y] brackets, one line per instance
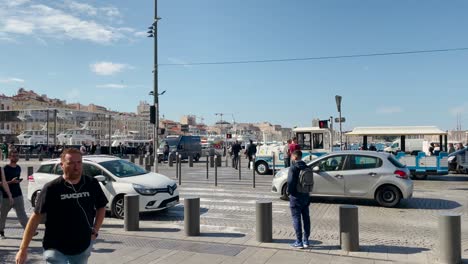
[293, 178]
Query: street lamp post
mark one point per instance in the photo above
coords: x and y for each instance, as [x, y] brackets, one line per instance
[153, 32]
[338, 105]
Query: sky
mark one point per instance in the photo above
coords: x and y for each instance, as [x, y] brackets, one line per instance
[96, 51]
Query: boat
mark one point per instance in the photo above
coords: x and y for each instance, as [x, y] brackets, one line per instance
[35, 137]
[76, 136]
[128, 139]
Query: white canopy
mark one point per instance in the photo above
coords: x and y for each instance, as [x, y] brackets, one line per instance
[396, 131]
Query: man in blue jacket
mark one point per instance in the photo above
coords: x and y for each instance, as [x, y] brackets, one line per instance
[298, 202]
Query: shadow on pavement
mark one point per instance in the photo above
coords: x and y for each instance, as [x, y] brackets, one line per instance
[160, 229]
[290, 241]
[393, 249]
[103, 250]
[462, 177]
[172, 214]
[204, 234]
[413, 203]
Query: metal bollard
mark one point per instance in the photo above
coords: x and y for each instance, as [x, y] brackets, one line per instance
[274, 164]
[131, 212]
[253, 177]
[180, 169]
[148, 167]
[141, 160]
[177, 165]
[30, 171]
[40, 157]
[190, 161]
[27, 158]
[264, 224]
[449, 238]
[132, 159]
[216, 171]
[212, 161]
[192, 216]
[171, 160]
[239, 168]
[218, 160]
[349, 228]
[207, 167]
[147, 160]
[227, 157]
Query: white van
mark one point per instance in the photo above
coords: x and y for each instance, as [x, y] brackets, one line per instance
[410, 145]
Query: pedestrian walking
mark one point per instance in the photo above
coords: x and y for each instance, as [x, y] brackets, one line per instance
[250, 152]
[300, 183]
[294, 146]
[12, 172]
[75, 208]
[287, 154]
[5, 194]
[235, 150]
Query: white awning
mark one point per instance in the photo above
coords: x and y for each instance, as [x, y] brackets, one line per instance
[396, 131]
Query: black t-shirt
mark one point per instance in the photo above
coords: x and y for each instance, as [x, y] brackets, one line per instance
[70, 210]
[10, 174]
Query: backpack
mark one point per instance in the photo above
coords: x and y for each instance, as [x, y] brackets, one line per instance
[305, 184]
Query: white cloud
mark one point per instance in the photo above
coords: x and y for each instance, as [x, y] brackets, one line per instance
[61, 21]
[12, 80]
[140, 34]
[389, 110]
[459, 109]
[179, 61]
[112, 86]
[108, 68]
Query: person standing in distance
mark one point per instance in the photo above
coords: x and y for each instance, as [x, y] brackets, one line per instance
[236, 148]
[75, 208]
[298, 202]
[12, 174]
[294, 146]
[250, 152]
[287, 154]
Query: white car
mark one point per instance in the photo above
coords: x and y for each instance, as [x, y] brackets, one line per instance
[117, 178]
[356, 174]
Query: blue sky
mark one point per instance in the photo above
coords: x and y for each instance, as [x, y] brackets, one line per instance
[97, 52]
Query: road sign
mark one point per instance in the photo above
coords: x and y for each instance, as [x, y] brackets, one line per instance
[337, 120]
[338, 102]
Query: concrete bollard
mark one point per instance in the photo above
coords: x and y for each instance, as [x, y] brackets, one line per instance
[152, 160]
[27, 157]
[148, 167]
[40, 157]
[192, 216]
[264, 221]
[349, 228]
[218, 160]
[131, 212]
[212, 161]
[190, 161]
[449, 238]
[180, 169]
[216, 171]
[171, 160]
[147, 160]
[177, 165]
[207, 167]
[227, 157]
[30, 171]
[132, 159]
[141, 160]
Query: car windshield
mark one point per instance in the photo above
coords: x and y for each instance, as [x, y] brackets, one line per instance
[395, 162]
[458, 152]
[123, 168]
[172, 142]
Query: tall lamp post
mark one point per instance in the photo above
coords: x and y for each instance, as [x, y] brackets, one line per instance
[153, 32]
[338, 106]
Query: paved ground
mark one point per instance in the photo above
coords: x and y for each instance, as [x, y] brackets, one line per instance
[404, 234]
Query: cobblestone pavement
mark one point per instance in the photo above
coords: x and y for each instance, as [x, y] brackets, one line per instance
[407, 233]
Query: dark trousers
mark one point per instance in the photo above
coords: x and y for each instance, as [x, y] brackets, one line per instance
[300, 209]
[235, 161]
[287, 162]
[251, 158]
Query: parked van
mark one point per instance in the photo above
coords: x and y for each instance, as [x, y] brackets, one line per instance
[185, 145]
[411, 145]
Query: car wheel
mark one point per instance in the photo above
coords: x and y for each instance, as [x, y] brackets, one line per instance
[284, 193]
[420, 176]
[35, 198]
[118, 207]
[262, 168]
[388, 196]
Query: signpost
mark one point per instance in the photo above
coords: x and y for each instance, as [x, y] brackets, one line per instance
[338, 106]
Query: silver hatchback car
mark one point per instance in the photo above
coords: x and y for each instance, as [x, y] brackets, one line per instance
[356, 174]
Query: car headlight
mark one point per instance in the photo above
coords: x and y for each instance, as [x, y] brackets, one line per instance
[279, 174]
[450, 159]
[144, 190]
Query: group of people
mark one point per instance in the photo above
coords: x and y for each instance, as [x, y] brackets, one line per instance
[74, 205]
[249, 152]
[289, 148]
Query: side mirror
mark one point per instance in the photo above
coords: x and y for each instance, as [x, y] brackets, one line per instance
[316, 169]
[101, 178]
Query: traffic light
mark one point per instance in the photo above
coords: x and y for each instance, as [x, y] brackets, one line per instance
[228, 135]
[323, 123]
[153, 114]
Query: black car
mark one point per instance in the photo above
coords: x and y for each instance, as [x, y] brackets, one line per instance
[453, 162]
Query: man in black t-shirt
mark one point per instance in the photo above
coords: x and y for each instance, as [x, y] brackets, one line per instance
[75, 208]
[12, 178]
